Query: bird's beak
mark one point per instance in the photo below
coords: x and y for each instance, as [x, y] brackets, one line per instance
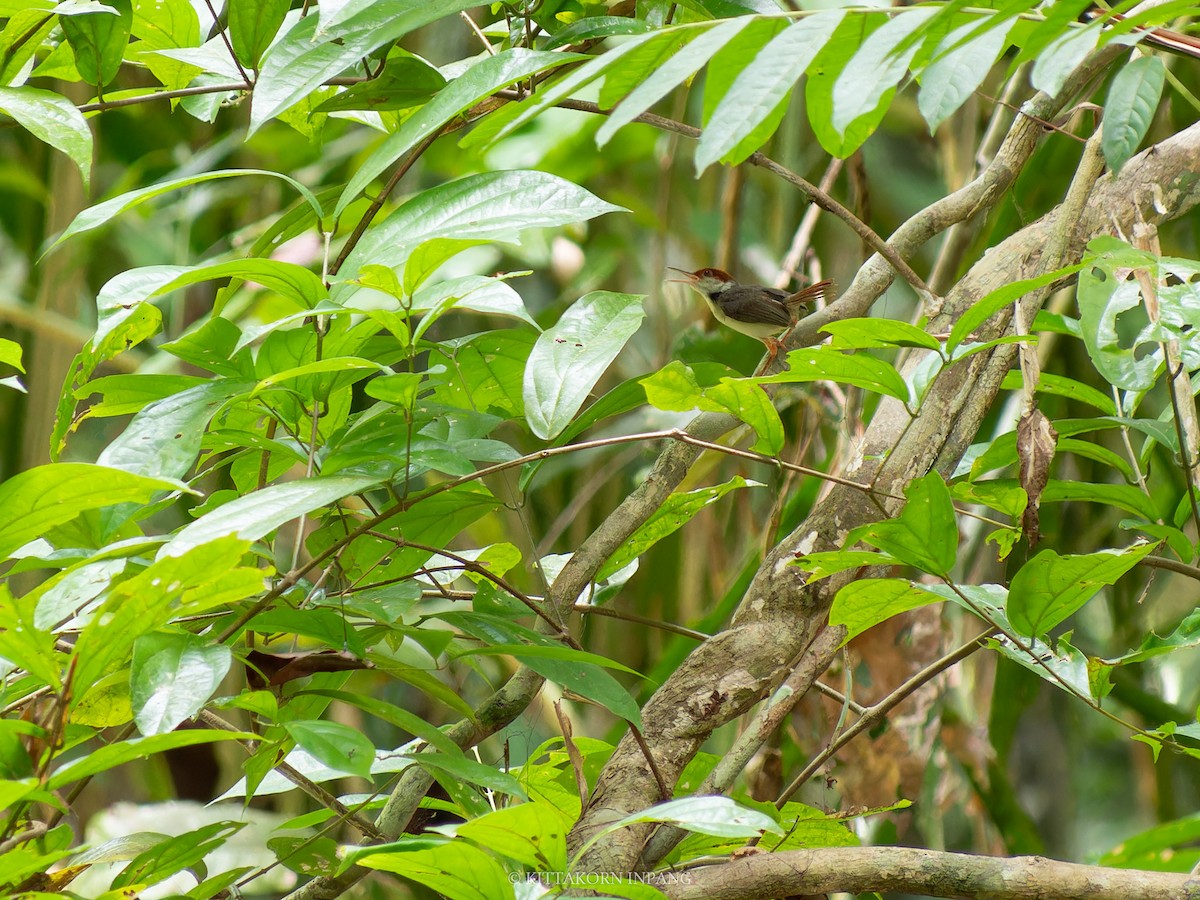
[688, 277]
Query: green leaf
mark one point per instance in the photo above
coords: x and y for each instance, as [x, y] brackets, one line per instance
[1132, 101]
[822, 565]
[101, 213]
[1185, 636]
[1049, 588]
[259, 513]
[675, 511]
[587, 680]
[760, 89]
[925, 534]
[568, 359]
[164, 439]
[1062, 55]
[174, 854]
[454, 869]
[469, 771]
[987, 306]
[594, 27]
[850, 334]
[670, 75]
[304, 57]
[1106, 290]
[865, 603]
[876, 68]
[253, 25]
[749, 402]
[489, 206]
[99, 40]
[407, 81]
[54, 120]
[858, 369]
[1003, 494]
[1062, 386]
[109, 756]
[173, 676]
[533, 834]
[957, 71]
[394, 715]
[166, 25]
[480, 81]
[337, 746]
[1122, 496]
[10, 354]
[707, 815]
[36, 500]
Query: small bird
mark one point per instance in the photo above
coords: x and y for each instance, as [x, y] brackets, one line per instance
[760, 312]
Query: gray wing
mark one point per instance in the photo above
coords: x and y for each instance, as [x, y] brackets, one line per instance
[757, 305]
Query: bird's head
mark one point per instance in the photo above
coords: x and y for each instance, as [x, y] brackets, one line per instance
[708, 281]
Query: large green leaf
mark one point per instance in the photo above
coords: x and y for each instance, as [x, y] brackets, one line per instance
[865, 603]
[760, 88]
[959, 67]
[313, 51]
[675, 511]
[568, 359]
[858, 369]
[164, 438]
[454, 869]
[173, 676]
[873, 73]
[1132, 101]
[53, 119]
[488, 206]
[258, 513]
[925, 534]
[36, 500]
[480, 81]
[110, 756]
[253, 24]
[667, 77]
[101, 213]
[99, 41]
[1049, 587]
[336, 745]
[1062, 55]
[533, 834]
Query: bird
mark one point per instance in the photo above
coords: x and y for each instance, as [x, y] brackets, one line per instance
[761, 312]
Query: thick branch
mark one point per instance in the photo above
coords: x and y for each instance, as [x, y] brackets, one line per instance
[928, 872]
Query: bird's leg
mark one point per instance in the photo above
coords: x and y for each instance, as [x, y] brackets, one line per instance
[773, 347]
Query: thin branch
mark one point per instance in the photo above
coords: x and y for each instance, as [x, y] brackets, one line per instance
[1171, 565]
[673, 434]
[818, 196]
[876, 712]
[377, 204]
[587, 609]
[472, 566]
[221, 30]
[310, 787]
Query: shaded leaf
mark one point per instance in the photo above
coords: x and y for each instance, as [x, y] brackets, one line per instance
[1050, 587]
[568, 359]
[1132, 101]
[172, 677]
